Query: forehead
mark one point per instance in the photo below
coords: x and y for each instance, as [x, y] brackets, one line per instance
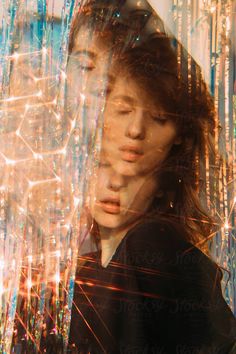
[93, 40]
[126, 90]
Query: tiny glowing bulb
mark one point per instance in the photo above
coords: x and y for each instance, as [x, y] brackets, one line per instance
[38, 156]
[228, 24]
[29, 284]
[69, 252]
[73, 124]
[58, 116]
[1, 289]
[15, 56]
[2, 263]
[22, 210]
[226, 226]
[213, 8]
[76, 201]
[58, 253]
[83, 97]
[54, 101]
[10, 162]
[63, 75]
[31, 184]
[63, 151]
[57, 278]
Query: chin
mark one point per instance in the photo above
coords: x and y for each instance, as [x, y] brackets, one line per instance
[128, 168]
[109, 221]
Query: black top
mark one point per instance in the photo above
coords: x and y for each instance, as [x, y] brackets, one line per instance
[159, 294]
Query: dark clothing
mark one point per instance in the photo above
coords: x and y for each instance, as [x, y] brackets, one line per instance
[159, 294]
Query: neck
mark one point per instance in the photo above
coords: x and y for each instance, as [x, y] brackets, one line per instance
[109, 236]
[110, 240]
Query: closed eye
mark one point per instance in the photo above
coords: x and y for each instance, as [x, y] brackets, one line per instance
[122, 108]
[124, 112]
[160, 119]
[86, 66]
[83, 62]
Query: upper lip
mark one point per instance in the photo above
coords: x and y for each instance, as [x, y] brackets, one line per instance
[112, 200]
[131, 148]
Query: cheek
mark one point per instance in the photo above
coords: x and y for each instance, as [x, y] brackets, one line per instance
[164, 138]
[100, 182]
[113, 128]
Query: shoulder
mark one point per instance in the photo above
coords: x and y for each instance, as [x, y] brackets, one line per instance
[156, 244]
[153, 235]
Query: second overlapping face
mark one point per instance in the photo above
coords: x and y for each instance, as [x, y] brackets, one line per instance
[138, 133]
[118, 201]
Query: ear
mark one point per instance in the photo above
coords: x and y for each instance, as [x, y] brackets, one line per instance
[178, 140]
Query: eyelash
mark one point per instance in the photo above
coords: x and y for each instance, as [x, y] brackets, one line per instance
[85, 67]
[160, 119]
[84, 64]
[124, 112]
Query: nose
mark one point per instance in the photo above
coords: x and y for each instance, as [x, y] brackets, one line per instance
[136, 127]
[116, 181]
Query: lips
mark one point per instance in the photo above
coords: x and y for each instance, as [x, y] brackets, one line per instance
[110, 205]
[130, 153]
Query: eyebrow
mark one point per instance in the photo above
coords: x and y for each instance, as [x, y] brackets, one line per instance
[89, 53]
[125, 98]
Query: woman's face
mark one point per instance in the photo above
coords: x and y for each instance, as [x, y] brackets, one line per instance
[118, 201]
[87, 69]
[137, 135]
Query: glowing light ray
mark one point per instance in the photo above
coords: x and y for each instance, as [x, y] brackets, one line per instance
[49, 77]
[17, 55]
[125, 291]
[13, 99]
[131, 268]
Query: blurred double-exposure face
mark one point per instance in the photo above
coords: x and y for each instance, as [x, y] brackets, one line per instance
[118, 201]
[87, 70]
[137, 134]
